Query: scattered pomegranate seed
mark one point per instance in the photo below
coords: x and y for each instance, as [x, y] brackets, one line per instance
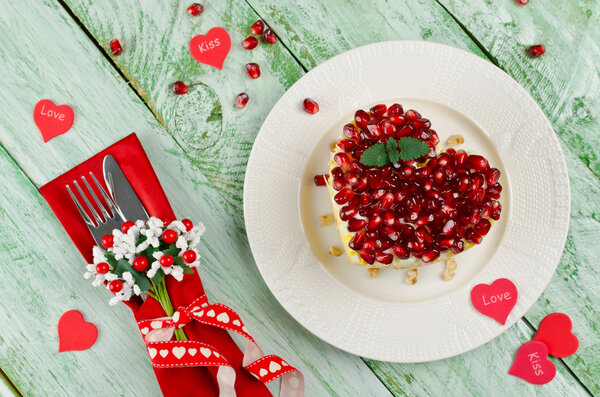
[241, 100]
[179, 88]
[536, 50]
[253, 70]
[195, 9]
[257, 27]
[321, 180]
[522, 2]
[249, 43]
[310, 106]
[115, 47]
[269, 36]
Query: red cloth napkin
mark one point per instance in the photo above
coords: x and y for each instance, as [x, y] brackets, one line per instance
[179, 382]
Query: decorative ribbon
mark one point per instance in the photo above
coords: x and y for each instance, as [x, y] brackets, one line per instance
[167, 353]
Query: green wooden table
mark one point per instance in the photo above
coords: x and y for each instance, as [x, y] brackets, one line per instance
[199, 145]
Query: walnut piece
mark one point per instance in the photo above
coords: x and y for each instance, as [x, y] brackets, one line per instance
[455, 140]
[335, 251]
[326, 219]
[373, 272]
[333, 146]
[411, 276]
[450, 268]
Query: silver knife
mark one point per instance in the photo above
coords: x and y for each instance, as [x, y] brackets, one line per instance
[128, 203]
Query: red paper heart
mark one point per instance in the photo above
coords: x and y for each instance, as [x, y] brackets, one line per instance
[52, 120]
[211, 48]
[555, 333]
[532, 364]
[74, 333]
[495, 300]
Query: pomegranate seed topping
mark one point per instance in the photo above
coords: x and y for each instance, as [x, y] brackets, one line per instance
[478, 163]
[477, 181]
[430, 256]
[361, 118]
[496, 209]
[387, 200]
[378, 110]
[195, 9]
[491, 176]
[473, 237]
[384, 258]
[389, 219]
[179, 88]
[458, 247]
[253, 70]
[412, 115]
[422, 123]
[257, 27]
[407, 130]
[449, 227]
[444, 159]
[241, 100]
[310, 106]
[342, 160]
[269, 36]
[367, 256]
[415, 245]
[361, 184]
[476, 195]
[343, 196]
[348, 212]
[357, 241]
[115, 47]
[321, 180]
[464, 184]
[483, 227]
[346, 145]
[354, 224]
[249, 43]
[446, 242]
[536, 51]
[389, 129]
[398, 119]
[493, 192]
[338, 183]
[374, 223]
[351, 178]
[337, 172]
[351, 132]
[373, 130]
[460, 158]
[522, 2]
[396, 108]
[400, 251]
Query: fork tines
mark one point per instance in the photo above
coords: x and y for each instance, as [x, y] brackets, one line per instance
[108, 203]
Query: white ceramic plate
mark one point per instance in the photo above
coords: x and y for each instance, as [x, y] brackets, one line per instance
[385, 318]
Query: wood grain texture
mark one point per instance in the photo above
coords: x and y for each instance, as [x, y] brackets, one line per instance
[68, 68]
[315, 31]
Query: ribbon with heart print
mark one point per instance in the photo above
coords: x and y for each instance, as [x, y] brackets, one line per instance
[167, 353]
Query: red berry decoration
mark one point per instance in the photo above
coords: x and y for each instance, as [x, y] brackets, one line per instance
[241, 100]
[108, 240]
[179, 88]
[140, 263]
[310, 106]
[126, 226]
[188, 224]
[257, 27]
[522, 2]
[166, 260]
[169, 236]
[253, 70]
[115, 286]
[115, 47]
[249, 43]
[195, 9]
[536, 51]
[269, 36]
[189, 256]
[102, 268]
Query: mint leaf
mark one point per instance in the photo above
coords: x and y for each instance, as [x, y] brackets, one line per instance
[392, 150]
[412, 148]
[394, 156]
[375, 155]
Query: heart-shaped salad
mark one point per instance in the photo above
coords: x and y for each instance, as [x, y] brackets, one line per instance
[398, 201]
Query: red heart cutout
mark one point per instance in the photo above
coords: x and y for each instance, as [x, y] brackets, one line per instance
[555, 333]
[211, 48]
[52, 120]
[495, 300]
[74, 333]
[532, 364]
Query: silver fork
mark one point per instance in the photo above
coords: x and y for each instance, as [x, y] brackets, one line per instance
[102, 225]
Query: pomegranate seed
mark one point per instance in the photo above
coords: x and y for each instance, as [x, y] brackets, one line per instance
[493, 192]
[476, 195]
[195, 9]
[348, 212]
[374, 223]
[343, 196]
[449, 227]
[477, 181]
[407, 130]
[412, 115]
[310, 106]
[384, 258]
[249, 43]
[338, 183]
[337, 172]
[389, 219]
[473, 237]
[422, 123]
[360, 185]
[257, 27]
[179, 88]
[435, 139]
[478, 163]
[351, 178]
[367, 256]
[496, 209]
[522, 2]
[444, 159]
[115, 47]
[378, 110]
[458, 247]
[387, 200]
[430, 256]
[483, 227]
[241, 100]
[351, 132]
[346, 145]
[460, 158]
[398, 119]
[491, 176]
[396, 108]
[253, 70]
[415, 245]
[425, 220]
[439, 176]
[464, 184]
[355, 224]
[389, 129]
[361, 118]
[357, 241]
[342, 160]
[321, 180]
[373, 130]
[400, 251]
[269, 36]
[446, 242]
[536, 51]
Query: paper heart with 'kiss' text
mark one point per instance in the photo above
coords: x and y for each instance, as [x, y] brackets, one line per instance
[211, 48]
[532, 364]
[52, 120]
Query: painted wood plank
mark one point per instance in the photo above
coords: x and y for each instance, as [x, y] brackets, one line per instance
[68, 68]
[572, 290]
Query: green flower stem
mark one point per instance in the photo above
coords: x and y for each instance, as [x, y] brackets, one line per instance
[159, 292]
